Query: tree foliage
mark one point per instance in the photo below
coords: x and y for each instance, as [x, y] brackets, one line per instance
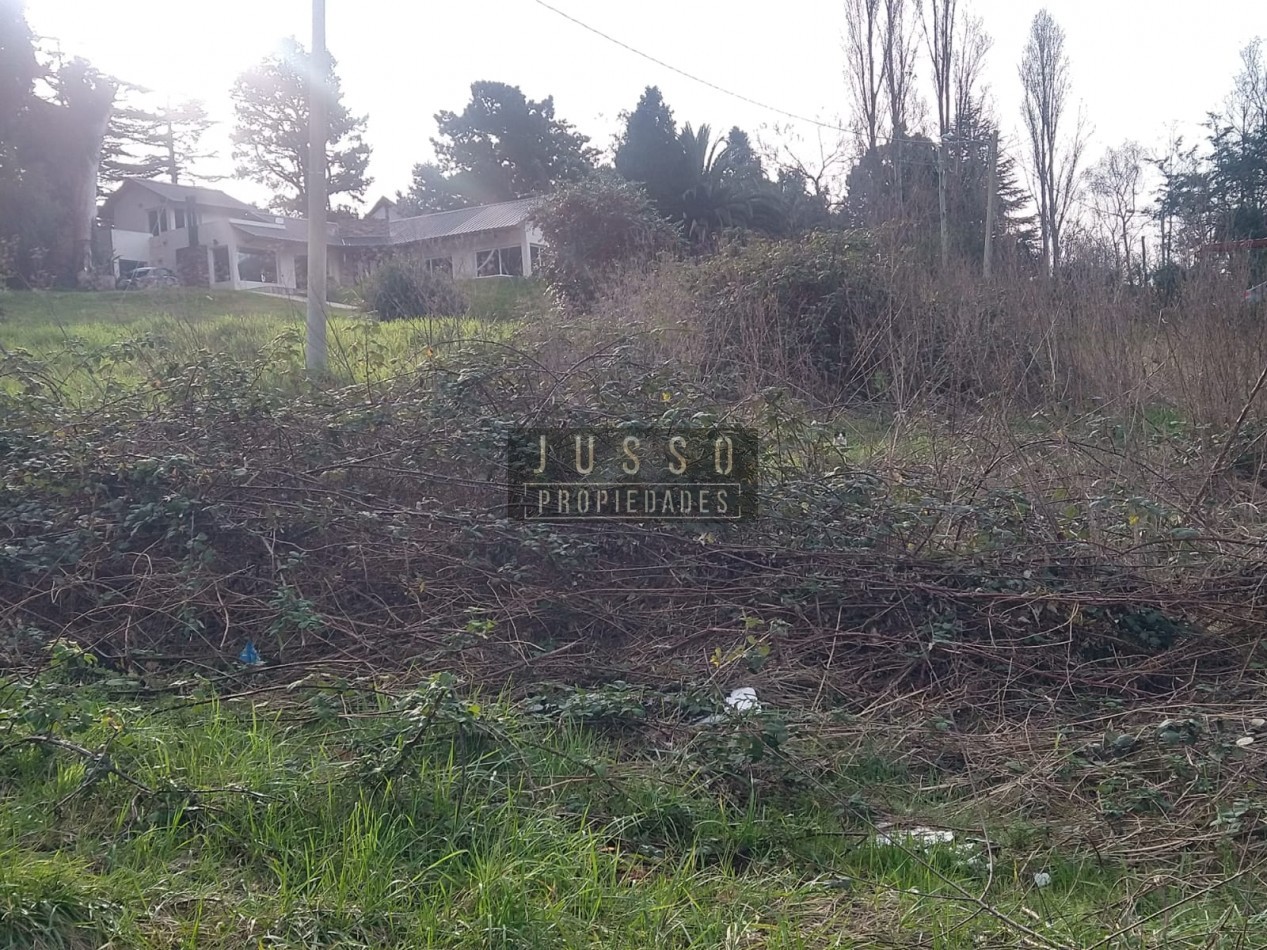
[158, 142]
[501, 146]
[1221, 195]
[703, 184]
[270, 103]
[725, 187]
[19, 69]
[649, 152]
[50, 144]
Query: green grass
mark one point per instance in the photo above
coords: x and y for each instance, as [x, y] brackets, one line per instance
[332, 817]
[88, 340]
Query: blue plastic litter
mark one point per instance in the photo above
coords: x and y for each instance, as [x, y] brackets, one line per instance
[251, 656]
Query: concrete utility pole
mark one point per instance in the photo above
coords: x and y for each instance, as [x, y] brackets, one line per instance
[318, 92]
[991, 197]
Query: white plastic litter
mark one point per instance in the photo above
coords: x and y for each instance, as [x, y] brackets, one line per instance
[1042, 879]
[1243, 741]
[741, 700]
[970, 853]
[919, 837]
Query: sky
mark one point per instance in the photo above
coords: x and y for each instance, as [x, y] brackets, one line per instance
[1137, 66]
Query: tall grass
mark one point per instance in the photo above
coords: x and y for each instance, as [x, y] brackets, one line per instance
[928, 337]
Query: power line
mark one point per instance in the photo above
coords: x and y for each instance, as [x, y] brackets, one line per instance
[692, 77]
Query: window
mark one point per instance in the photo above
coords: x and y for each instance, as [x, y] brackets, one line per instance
[442, 265]
[502, 262]
[258, 267]
[158, 221]
[534, 256]
[220, 264]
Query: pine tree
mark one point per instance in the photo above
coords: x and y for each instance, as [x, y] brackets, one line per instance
[650, 152]
[152, 143]
[270, 102]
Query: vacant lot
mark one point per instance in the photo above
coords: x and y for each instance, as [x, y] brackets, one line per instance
[1010, 688]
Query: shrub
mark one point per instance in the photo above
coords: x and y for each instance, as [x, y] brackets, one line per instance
[594, 230]
[764, 311]
[401, 288]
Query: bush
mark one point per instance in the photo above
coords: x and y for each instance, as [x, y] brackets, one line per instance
[594, 230]
[400, 288]
[766, 312]
[822, 298]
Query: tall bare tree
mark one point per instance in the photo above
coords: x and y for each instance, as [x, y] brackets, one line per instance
[866, 65]
[899, 79]
[1044, 73]
[968, 66]
[899, 64]
[822, 164]
[1114, 184]
[939, 35]
[1246, 107]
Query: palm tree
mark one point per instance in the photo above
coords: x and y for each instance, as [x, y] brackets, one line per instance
[717, 196]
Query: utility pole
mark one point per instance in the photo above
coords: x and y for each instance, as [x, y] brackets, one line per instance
[318, 92]
[991, 197]
[941, 203]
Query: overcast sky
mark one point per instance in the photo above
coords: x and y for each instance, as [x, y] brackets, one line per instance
[1137, 65]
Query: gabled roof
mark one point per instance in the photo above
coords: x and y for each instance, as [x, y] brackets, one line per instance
[178, 194]
[504, 214]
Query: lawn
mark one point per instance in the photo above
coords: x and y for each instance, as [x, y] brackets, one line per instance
[127, 337]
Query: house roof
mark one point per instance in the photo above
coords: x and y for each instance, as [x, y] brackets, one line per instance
[504, 214]
[292, 230]
[178, 194]
[378, 232]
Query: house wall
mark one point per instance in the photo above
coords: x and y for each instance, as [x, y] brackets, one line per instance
[131, 245]
[132, 241]
[287, 256]
[462, 248]
[131, 208]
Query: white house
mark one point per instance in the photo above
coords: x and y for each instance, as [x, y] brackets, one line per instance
[214, 240]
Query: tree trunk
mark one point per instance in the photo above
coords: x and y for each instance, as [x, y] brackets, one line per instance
[89, 104]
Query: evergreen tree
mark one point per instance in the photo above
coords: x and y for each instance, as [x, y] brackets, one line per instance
[430, 191]
[152, 143]
[743, 164]
[501, 146]
[270, 102]
[650, 152]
